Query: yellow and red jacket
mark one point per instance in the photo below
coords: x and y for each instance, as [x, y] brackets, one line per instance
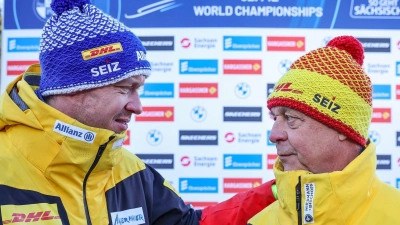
[56, 170]
[353, 196]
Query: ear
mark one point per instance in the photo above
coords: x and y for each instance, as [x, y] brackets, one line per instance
[342, 137]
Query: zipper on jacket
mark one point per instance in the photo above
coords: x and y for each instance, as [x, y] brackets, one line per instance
[298, 202]
[96, 160]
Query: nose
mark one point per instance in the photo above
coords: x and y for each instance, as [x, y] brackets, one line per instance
[134, 105]
[278, 132]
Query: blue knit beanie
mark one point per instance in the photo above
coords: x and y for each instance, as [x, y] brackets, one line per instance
[83, 48]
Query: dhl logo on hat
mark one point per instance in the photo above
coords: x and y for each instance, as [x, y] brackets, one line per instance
[102, 51]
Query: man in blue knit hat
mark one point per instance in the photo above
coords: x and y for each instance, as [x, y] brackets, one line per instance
[62, 125]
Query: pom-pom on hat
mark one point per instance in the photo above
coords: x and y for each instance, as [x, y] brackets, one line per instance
[83, 48]
[330, 86]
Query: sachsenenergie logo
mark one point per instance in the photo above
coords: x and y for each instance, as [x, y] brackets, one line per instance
[198, 185]
[245, 162]
[242, 43]
[158, 90]
[206, 67]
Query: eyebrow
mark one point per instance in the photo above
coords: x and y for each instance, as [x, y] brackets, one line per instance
[279, 110]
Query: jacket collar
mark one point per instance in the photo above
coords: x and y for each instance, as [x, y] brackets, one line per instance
[338, 195]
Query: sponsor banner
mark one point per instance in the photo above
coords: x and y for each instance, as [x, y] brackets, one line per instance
[156, 114]
[158, 161]
[244, 162]
[18, 67]
[381, 91]
[161, 67]
[269, 142]
[198, 185]
[270, 88]
[242, 90]
[242, 43]
[209, 13]
[198, 114]
[374, 136]
[398, 69]
[297, 44]
[367, 9]
[242, 114]
[235, 185]
[271, 158]
[198, 137]
[284, 66]
[201, 205]
[377, 68]
[158, 90]
[128, 138]
[25, 44]
[398, 138]
[381, 115]
[242, 66]
[198, 66]
[199, 161]
[199, 43]
[375, 44]
[154, 137]
[384, 162]
[243, 137]
[158, 43]
[398, 92]
[198, 90]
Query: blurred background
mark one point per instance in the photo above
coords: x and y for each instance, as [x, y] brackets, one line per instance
[205, 125]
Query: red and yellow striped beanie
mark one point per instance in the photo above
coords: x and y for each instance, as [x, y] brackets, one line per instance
[330, 86]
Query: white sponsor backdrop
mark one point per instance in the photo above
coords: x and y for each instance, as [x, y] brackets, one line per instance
[244, 138]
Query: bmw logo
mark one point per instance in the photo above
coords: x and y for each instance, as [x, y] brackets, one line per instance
[198, 114]
[374, 136]
[284, 66]
[43, 9]
[154, 137]
[242, 90]
[325, 41]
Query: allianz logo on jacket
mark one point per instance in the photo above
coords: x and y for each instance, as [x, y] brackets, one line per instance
[130, 216]
[74, 132]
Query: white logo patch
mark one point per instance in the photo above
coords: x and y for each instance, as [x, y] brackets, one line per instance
[118, 143]
[130, 216]
[309, 190]
[74, 132]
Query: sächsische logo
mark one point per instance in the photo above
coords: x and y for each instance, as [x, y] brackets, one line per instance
[242, 90]
[198, 114]
[377, 9]
[154, 137]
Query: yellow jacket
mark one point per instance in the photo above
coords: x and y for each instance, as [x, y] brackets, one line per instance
[55, 170]
[353, 196]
